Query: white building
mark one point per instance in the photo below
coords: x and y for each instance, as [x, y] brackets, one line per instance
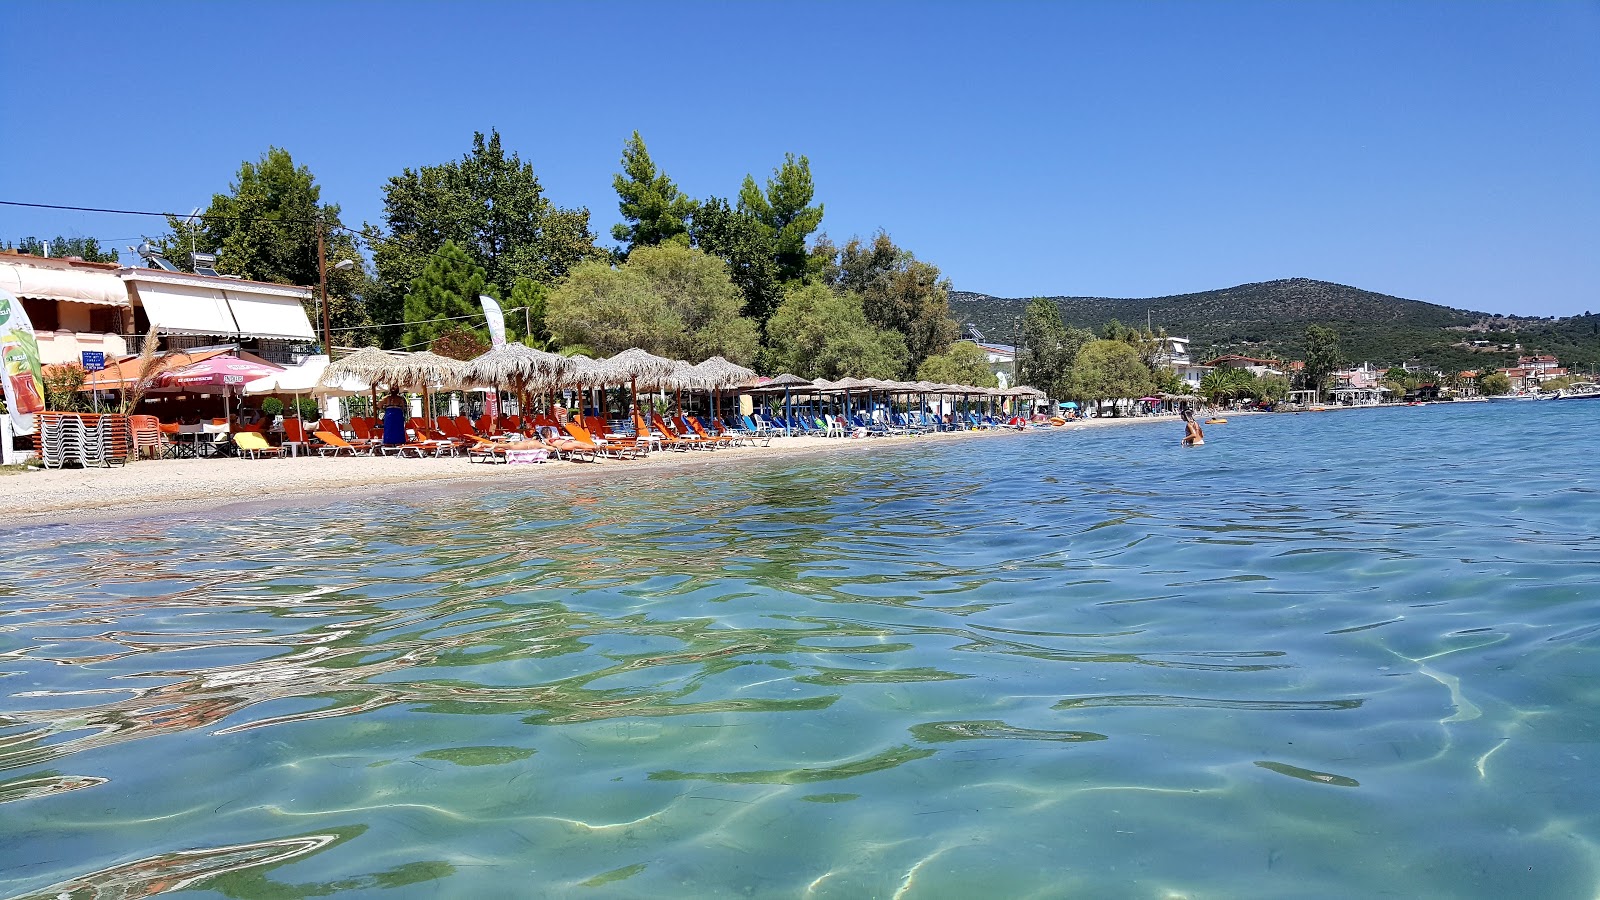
[80, 308]
[1174, 354]
[1002, 360]
[76, 307]
[266, 319]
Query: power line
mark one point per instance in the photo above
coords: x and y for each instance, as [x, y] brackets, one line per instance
[478, 315]
[293, 220]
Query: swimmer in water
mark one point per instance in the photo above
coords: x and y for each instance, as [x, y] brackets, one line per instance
[1192, 436]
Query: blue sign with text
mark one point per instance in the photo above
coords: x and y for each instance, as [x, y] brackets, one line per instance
[94, 360]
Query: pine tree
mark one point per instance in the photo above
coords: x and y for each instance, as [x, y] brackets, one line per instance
[445, 297]
[651, 205]
[784, 214]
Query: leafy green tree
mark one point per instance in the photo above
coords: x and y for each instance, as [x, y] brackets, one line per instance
[1168, 382]
[670, 300]
[785, 214]
[696, 288]
[444, 297]
[1323, 356]
[740, 241]
[1109, 370]
[1494, 384]
[897, 290]
[1271, 387]
[1149, 343]
[61, 247]
[964, 363]
[607, 310]
[265, 228]
[1049, 348]
[818, 333]
[492, 206]
[652, 207]
[525, 314]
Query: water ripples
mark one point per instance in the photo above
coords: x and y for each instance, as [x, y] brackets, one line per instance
[1031, 665]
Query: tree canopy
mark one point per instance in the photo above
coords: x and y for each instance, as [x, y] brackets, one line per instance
[898, 291]
[444, 297]
[1494, 384]
[1322, 356]
[652, 207]
[741, 242]
[670, 300]
[784, 213]
[818, 333]
[87, 248]
[489, 204]
[265, 228]
[1108, 370]
[964, 363]
[1049, 348]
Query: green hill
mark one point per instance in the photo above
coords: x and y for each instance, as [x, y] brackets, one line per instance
[1270, 317]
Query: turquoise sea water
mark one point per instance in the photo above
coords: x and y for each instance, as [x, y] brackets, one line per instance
[1340, 655]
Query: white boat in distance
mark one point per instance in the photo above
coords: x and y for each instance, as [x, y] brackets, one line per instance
[1583, 390]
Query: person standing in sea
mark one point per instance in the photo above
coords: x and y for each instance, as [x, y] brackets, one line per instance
[1192, 435]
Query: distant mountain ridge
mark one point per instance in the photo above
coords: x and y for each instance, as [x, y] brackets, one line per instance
[1271, 317]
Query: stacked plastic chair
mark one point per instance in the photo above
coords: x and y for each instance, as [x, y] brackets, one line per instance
[144, 432]
[67, 439]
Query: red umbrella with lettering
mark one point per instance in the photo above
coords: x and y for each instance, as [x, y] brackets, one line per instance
[224, 371]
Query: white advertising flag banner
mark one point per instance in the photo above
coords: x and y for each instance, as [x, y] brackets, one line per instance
[19, 363]
[497, 320]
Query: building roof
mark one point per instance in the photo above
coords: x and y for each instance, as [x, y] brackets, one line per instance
[991, 347]
[1235, 358]
[219, 282]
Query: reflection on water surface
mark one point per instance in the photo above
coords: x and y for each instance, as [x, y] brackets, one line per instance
[1035, 665]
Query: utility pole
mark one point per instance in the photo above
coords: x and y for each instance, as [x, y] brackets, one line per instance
[322, 278]
[1016, 351]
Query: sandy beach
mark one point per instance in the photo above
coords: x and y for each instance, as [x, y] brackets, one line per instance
[149, 487]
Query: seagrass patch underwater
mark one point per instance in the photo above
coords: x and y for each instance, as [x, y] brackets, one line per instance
[1345, 654]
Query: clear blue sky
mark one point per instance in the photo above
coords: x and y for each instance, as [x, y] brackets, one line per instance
[1447, 152]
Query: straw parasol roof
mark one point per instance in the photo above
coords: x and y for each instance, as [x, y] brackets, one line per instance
[516, 366]
[586, 371]
[782, 382]
[634, 364]
[424, 369]
[723, 374]
[1022, 391]
[685, 377]
[368, 364]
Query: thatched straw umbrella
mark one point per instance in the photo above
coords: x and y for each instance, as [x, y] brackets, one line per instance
[369, 364]
[717, 373]
[423, 370]
[516, 367]
[586, 373]
[786, 383]
[633, 364]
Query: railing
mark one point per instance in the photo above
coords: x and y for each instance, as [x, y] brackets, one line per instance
[283, 353]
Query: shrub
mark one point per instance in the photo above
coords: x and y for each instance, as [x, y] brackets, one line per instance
[61, 383]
